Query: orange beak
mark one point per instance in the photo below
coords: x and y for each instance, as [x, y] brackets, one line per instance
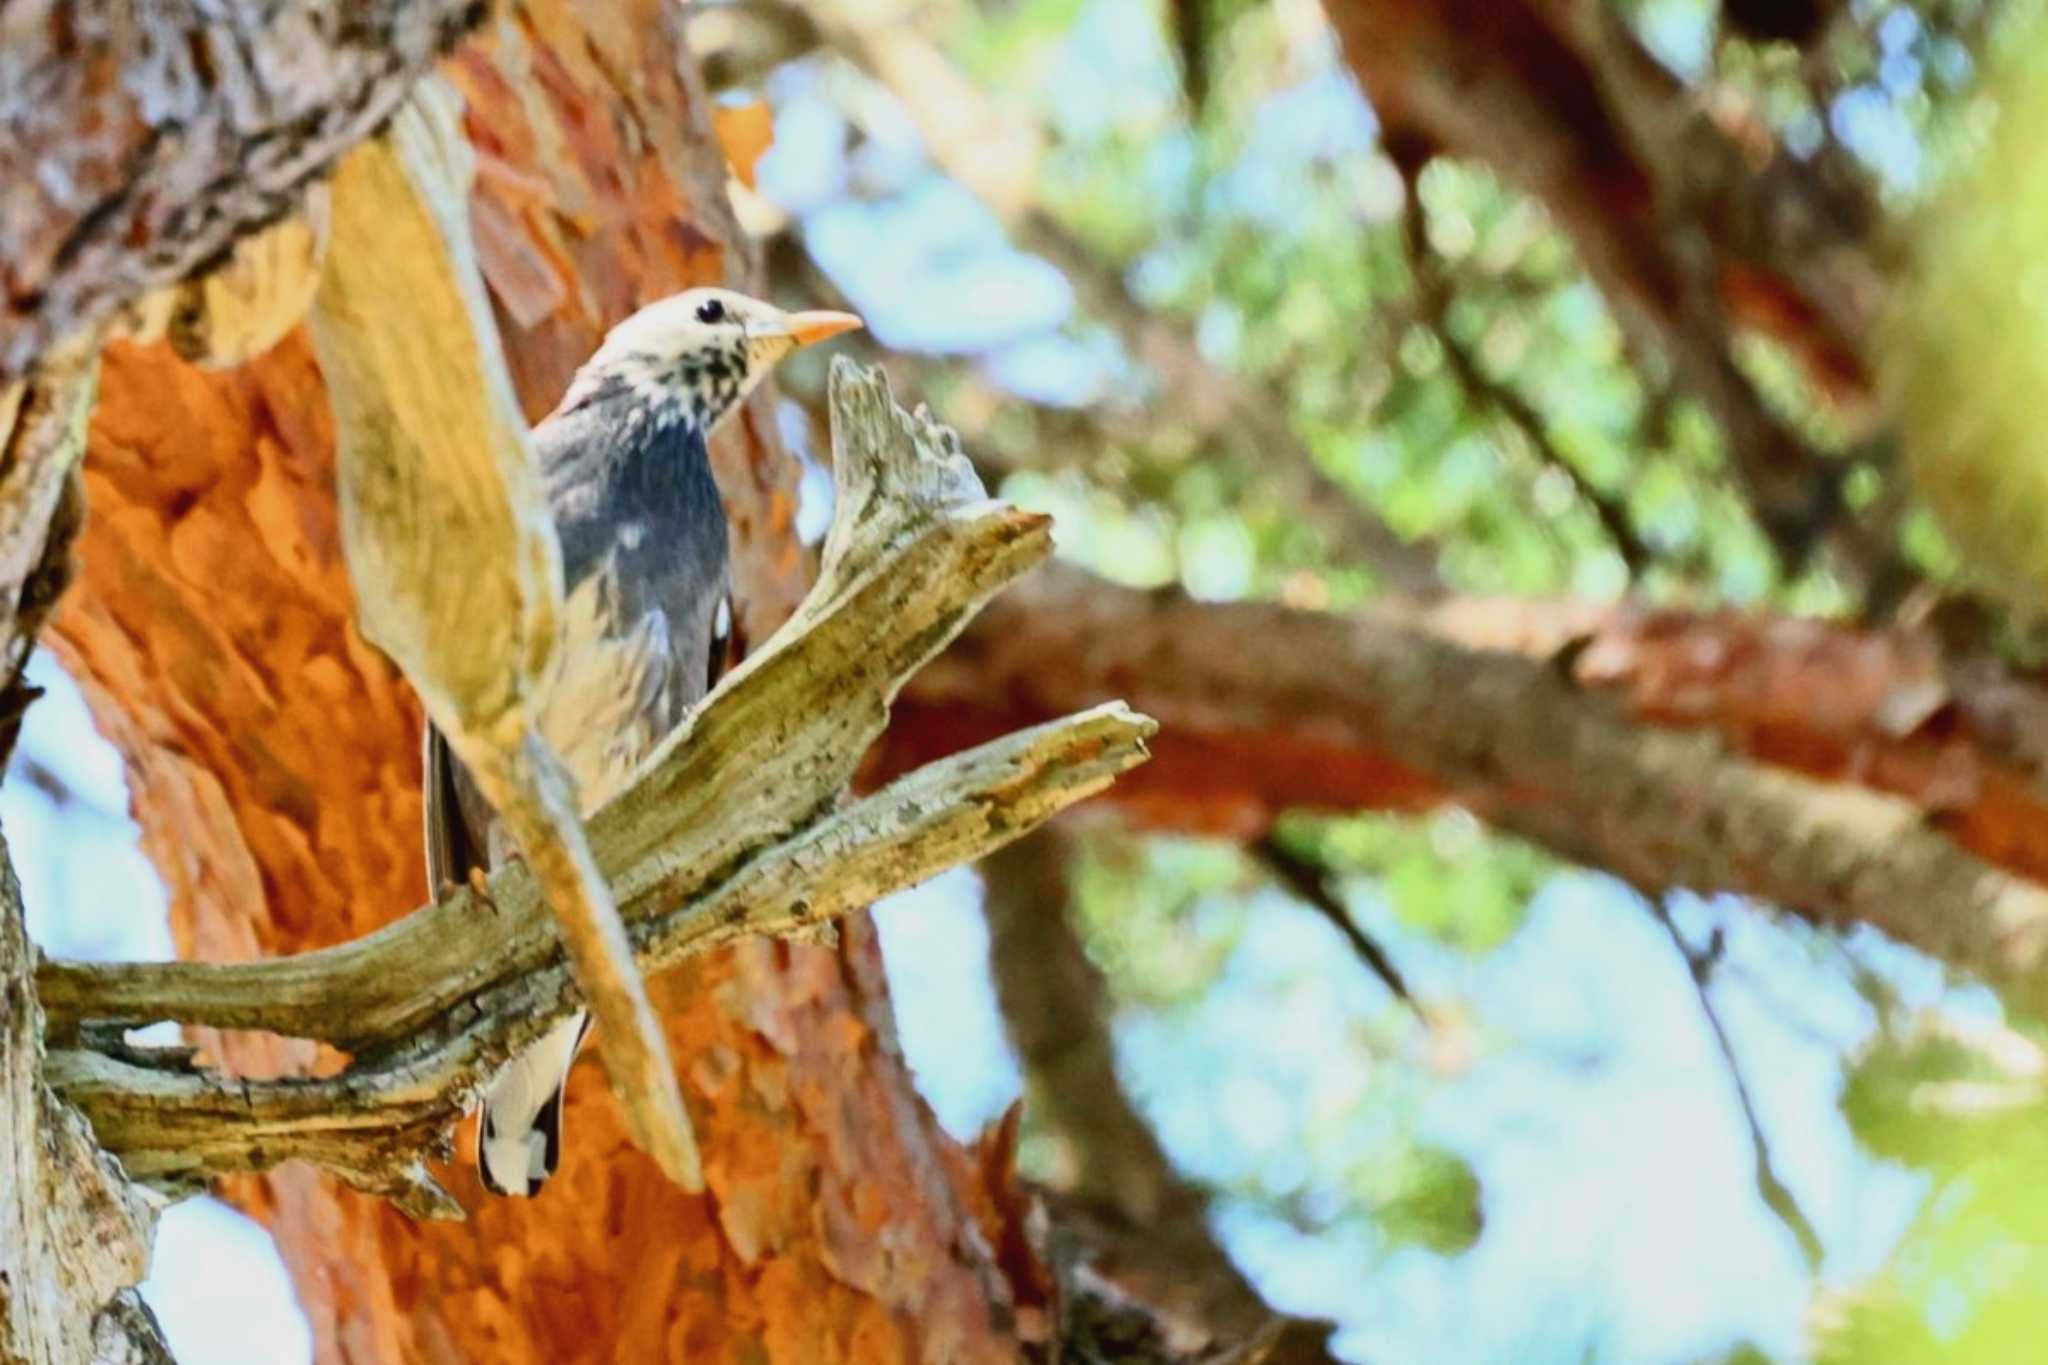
[815, 326]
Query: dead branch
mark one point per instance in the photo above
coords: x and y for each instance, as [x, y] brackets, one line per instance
[734, 828]
[452, 552]
[42, 440]
[1770, 1186]
[1309, 882]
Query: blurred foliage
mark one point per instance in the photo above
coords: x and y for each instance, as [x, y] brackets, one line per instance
[1275, 231]
[1969, 1281]
[1968, 405]
[1442, 875]
[1441, 358]
[1432, 1202]
[1198, 952]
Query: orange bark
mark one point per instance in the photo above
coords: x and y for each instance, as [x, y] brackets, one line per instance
[274, 763]
[1883, 710]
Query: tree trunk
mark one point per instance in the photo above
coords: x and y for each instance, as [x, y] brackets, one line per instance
[74, 1234]
[273, 757]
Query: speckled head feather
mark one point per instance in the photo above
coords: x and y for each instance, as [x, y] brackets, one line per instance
[694, 355]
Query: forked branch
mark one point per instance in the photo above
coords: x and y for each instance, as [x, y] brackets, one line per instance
[738, 825]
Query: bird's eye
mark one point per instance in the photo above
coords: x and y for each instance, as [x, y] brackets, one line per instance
[711, 310]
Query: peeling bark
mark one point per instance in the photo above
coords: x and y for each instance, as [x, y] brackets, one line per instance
[139, 141]
[1263, 708]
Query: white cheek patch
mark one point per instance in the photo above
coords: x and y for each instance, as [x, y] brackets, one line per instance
[633, 534]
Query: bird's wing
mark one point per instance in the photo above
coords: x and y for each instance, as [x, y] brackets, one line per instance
[456, 819]
[445, 837]
[644, 557]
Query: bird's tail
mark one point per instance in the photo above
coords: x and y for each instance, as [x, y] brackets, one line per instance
[519, 1138]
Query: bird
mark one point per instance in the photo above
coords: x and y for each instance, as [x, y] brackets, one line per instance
[646, 622]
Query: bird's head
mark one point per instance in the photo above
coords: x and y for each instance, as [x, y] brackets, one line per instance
[702, 350]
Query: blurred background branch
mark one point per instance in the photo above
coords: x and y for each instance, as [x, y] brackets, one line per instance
[1144, 1278]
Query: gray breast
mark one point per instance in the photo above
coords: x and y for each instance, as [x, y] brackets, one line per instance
[645, 555]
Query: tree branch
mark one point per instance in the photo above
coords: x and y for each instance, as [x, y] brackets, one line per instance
[140, 141]
[1267, 708]
[731, 829]
[1671, 218]
[42, 441]
[1308, 882]
[1777, 1197]
[1133, 1253]
[1433, 288]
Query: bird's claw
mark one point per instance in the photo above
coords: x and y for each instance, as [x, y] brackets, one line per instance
[480, 887]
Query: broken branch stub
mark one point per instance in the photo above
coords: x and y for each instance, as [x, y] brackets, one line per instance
[737, 826]
[452, 551]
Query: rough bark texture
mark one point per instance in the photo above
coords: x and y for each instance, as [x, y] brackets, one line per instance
[74, 1234]
[1264, 708]
[274, 762]
[138, 141]
[42, 439]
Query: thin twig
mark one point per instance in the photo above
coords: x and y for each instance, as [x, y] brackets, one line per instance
[1700, 966]
[1193, 39]
[1612, 511]
[1433, 288]
[1308, 881]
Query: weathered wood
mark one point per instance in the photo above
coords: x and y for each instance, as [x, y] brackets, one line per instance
[733, 828]
[139, 141]
[74, 1232]
[452, 551]
[377, 1123]
[42, 439]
